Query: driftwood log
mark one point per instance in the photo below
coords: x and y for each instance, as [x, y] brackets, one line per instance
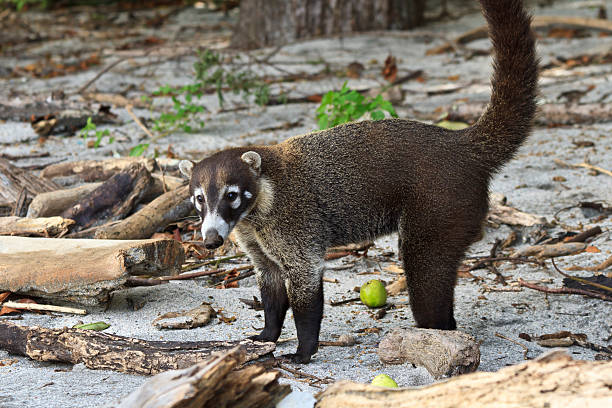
[82, 271]
[165, 209]
[114, 199]
[39, 227]
[554, 380]
[503, 214]
[213, 383]
[102, 351]
[55, 202]
[87, 171]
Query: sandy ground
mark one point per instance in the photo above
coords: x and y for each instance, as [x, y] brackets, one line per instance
[530, 183]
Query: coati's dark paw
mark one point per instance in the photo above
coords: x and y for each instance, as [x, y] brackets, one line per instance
[295, 358]
[262, 338]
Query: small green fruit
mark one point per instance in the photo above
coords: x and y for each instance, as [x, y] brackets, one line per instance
[383, 380]
[373, 293]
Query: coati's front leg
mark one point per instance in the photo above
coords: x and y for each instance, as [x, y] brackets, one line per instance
[305, 292]
[273, 293]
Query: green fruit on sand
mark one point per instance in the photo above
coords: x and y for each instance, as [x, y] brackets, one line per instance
[383, 380]
[373, 293]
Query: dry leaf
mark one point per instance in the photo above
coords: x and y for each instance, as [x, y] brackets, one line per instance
[592, 249]
[394, 269]
[390, 70]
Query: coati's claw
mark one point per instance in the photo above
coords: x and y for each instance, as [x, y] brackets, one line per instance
[295, 358]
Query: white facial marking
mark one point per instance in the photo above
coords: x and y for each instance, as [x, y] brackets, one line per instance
[234, 189]
[248, 194]
[198, 191]
[216, 222]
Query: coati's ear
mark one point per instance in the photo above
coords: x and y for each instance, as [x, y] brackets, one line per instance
[253, 159]
[186, 167]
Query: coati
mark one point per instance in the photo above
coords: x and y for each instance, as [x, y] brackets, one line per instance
[289, 202]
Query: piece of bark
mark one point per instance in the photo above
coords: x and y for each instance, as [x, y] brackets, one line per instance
[502, 214]
[189, 319]
[553, 380]
[104, 351]
[550, 250]
[39, 227]
[82, 271]
[87, 171]
[213, 383]
[165, 209]
[113, 200]
[70, 120]
[54, 203]
[14, 180]
[441, 352]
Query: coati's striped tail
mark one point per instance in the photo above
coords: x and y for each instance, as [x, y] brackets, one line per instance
[508, 119]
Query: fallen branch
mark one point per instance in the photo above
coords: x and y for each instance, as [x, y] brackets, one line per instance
[537, 22]
[583, 236]
[553, 379]
[45, 308]
[524, 347]
[103, 351]
[583, 281]
[583, 165]
[568, 291]
[165, 209]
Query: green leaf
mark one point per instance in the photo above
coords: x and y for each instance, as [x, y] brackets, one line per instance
[138, 150]
[377, 115]
[97, 326]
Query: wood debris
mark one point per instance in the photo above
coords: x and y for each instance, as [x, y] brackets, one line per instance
[104, 351]
[553, 379]
[216, 382]
[81, 271]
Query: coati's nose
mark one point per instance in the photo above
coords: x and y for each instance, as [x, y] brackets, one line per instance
[212, 239]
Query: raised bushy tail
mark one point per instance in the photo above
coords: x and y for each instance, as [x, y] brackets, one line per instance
[508, 119]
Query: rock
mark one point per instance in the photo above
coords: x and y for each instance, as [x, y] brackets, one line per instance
[441, 352]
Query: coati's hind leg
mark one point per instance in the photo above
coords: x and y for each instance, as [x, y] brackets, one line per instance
[273, 293]
[431, 256]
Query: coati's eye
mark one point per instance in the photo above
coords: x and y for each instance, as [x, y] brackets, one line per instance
[200, 198]
[231, 196]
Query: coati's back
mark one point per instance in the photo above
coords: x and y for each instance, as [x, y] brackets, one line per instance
[364, 175]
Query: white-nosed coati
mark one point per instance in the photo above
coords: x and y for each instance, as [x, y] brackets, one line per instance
[288, 203]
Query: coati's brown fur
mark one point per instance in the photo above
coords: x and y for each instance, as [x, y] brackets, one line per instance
[362, 180]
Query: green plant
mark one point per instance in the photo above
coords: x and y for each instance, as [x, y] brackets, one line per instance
[91, 129]
[138, 150]
[19, 4]
[210, 75]
[349, 105]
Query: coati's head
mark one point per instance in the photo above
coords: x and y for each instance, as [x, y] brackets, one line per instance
[224, 188]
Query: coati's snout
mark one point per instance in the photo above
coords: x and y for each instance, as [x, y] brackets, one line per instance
[223, 190]
[212, 239]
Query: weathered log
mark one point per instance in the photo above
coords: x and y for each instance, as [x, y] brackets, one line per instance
[13, 180]
[40, 227]
[441, 352]
[212, 383]
[103, 351]
[551, 250]
[87, 171]
[165, 209]
[113, 200]
[54, 203]
[554, 380]
[81, 271]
